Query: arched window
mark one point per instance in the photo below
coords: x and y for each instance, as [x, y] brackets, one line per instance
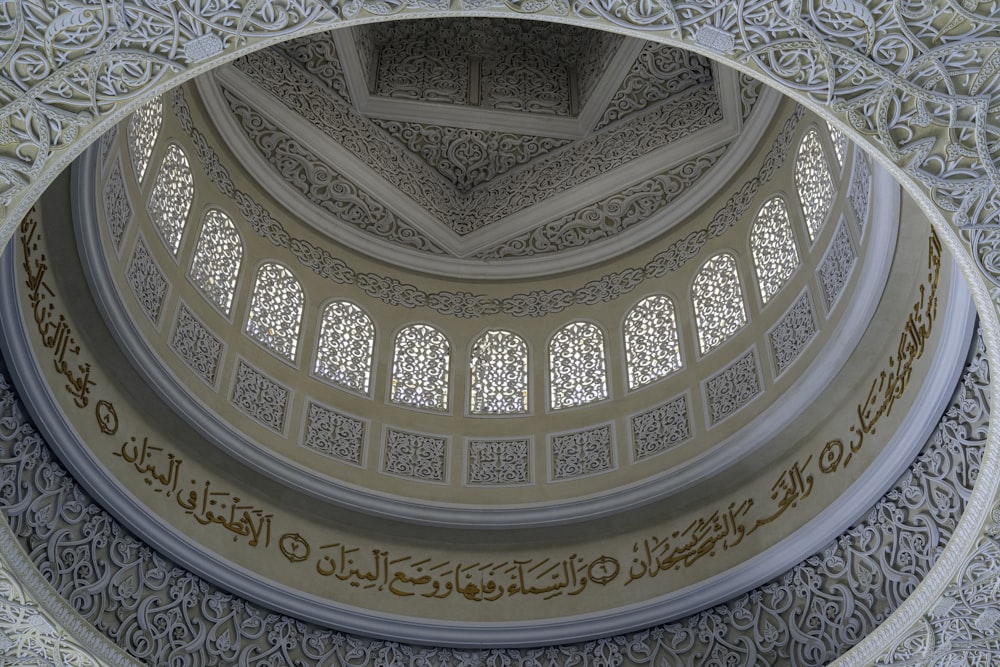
[772, 245]
[346, 341]
[719, 311]
[421, 360]
[813, 182]
[143, 130]
[839, 141]
[276, 310]
[652, 347]
[577, 372]
[217, 259]
[499, 372]
[170, 200]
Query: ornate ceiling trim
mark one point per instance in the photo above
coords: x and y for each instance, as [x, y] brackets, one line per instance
[807, 616]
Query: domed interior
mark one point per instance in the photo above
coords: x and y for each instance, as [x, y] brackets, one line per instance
[478, 331]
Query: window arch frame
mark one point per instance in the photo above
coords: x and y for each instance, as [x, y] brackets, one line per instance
[605, 360]
[529, 393]
[185, 228]
[740, 280]
[449, 393]
[372, 365]
[796, 246]
[251, 289]
[241, 275]
[626, 365]
[822, 138]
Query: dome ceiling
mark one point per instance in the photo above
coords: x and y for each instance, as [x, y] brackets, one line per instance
[697, 278]
[490, 145]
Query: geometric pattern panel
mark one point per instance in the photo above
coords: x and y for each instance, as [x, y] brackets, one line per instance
[733, 387]
[195, 344]
[836, 266]
[117, 207]
[260, 397]
[415, 455]
[859, 191]
[662, 428]
[582, 453]
[147, 281]
[792, 332]
[334, 434]
[499, 462]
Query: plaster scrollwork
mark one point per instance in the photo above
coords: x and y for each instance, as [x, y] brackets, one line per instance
[498, 462]
[835, 269]
[160, 613]
[661, 428]
[318, 54]
[466, 304]
[196, 345]
[334, 434]
[117, 207]
[434, 72]
[658, 73]
[583, 453]
[260, 397]
[322, 184]
[147, 281]
[859, 192]
[415, 455]
[733, 387]
[792, 332]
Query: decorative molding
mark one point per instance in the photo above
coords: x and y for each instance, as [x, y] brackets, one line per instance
[259, 397]
[415, 456]
[498, 462]
[117, 207]
[89, 558]
[196, 345]
[147, 281]
[321, 183]
[661, 429]
[793, 332]
[537, 303]
[582, 453]
[835, 268]
[733, 387]
[335, 434]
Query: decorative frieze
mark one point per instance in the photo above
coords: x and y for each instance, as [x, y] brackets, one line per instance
[660, 429]
[733, 387]
[582, 453]
[415, 455]
[260, 397]
[335, 434]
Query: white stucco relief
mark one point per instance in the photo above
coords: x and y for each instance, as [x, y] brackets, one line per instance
[917, 84]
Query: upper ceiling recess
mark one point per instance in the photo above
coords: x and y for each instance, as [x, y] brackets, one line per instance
[488, 148]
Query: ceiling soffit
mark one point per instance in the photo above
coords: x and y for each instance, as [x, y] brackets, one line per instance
[482, 202]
